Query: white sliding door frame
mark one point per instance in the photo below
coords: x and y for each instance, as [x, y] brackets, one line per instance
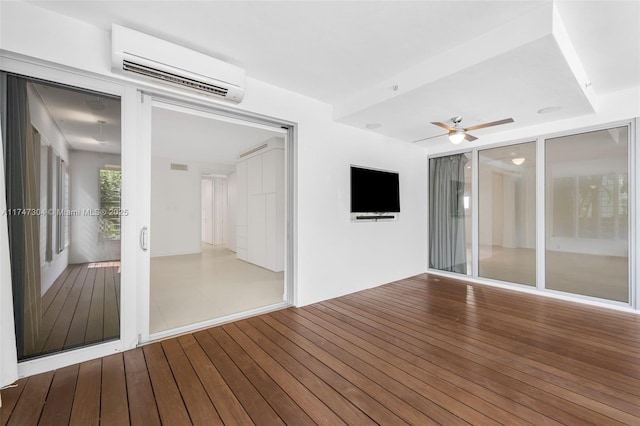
[8, 353]
[540, 288]
[128, 326]
[146, 103]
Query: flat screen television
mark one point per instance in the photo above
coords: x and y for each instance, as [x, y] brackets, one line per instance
[374, 191]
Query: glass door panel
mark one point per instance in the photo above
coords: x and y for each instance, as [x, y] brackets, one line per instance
[62, 166]
[450, 213]
[507, 213]
[587, 214]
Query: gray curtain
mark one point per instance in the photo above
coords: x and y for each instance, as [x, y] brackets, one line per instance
[447, 242]
[21, 157]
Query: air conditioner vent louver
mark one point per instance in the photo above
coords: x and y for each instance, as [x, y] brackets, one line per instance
[173, 78]
[251, 151]
[159, 63]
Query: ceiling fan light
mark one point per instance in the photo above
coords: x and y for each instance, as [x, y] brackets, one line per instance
[100, 137]
[456, 137]
[518, 161]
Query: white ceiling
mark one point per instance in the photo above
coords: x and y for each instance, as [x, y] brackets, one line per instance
[77, 114]
[202, 138]
[350, 53]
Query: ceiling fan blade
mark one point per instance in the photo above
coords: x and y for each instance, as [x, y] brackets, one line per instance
[493, 123]
[430, 137]
[444, 126]
[470, 138]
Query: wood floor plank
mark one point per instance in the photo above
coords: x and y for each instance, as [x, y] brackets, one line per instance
[417, 407]
[114, 408]
[86, 402]
[52, 291]
[60, 328]
[29, 407]
[10, 397]
[438, 385]
[424, 350]
[116, 283]
[80, 320]
[57, 410]
[111, 322]
[170, 404]
[393, 403]
[348, 390]
[344, 408]
[554, 323]
[95, 319]
[504, 382]
[581, 411]
[225, 402]
[433, 362]
[50, 316]
[253, 402]
[583, 347]
[199, 406]
[286, 407]
[514, 346]
[315, 408]
[142, 404]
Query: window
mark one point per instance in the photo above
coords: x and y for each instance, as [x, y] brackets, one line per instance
[62, 204]
[110, 186]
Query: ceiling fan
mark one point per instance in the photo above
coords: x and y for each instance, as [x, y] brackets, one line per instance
[457, 133]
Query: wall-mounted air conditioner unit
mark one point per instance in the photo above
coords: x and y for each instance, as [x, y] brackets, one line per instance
[137, 54]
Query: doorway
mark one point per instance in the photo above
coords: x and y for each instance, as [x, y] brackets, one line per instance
[217, 218]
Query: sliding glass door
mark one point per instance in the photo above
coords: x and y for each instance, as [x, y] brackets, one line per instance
[587, 214]
[62, 176]
[584, 179]
[507, 213]
[450, 213]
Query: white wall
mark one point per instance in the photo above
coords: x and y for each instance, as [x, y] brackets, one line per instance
[86, 243]
[333, 255]
[50, 136]
[175, 209]
[176, 206]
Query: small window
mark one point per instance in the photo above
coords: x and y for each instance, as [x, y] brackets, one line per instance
[110, 186]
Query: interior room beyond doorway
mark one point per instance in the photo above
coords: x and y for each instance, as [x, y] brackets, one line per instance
[217, 218]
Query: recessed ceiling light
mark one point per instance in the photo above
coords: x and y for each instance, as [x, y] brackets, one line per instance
[372, 126]
[517, 161]
[549, 109]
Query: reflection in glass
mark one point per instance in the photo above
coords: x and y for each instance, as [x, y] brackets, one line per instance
[65, 273]
[507, 213]
[587, 214]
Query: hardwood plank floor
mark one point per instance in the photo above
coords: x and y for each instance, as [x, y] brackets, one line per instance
[80, 308]
[425, 350]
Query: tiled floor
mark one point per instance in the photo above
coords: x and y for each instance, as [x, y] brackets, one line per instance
[198, 287]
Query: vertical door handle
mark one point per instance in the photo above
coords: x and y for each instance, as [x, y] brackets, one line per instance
[144, 238]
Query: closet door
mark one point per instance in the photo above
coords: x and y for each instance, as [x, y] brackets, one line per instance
[241, 213]
[256, 230]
